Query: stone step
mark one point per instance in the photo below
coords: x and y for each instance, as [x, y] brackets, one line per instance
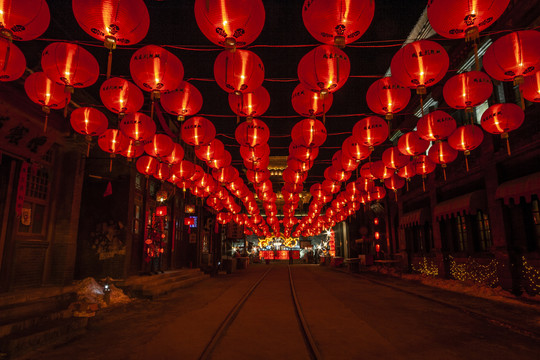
[134, 280]
[23, 310]
[21, 324]
[53, 332]
[153, 292]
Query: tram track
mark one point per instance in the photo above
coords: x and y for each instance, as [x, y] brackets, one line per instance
[220, 333]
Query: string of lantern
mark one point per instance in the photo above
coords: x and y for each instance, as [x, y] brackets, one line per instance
[418, 65]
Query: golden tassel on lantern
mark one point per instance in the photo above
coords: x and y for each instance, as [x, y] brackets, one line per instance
[110, 43]
[505, 137]
[467, 152]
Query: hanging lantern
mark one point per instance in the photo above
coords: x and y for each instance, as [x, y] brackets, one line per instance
[176, 155]
[370, 131]
[355, 149]
[324, 69]
[239, 72]
[466, 138]
[337, 22]
[256, 153]
[223, 218]
[309, 133]
[468, 89]
[423, 166]
[530, 89]
[137, 126]
[147, 165]
[436, 125]
[184, 101]
[443, 154]
[380, 171]
[156, 70]
[308, 103]
[121, 96]
[408, 171]
[250, 104]
[387, 97]
[365, 170]
[112, 141]
[159, 146]
[70, 65]
[132, 150]
[183, 170]
[420, 64]
[225, 175]
[257, 165]
[302, 153]
[42, 91]
[198, 130]
[258, 176]
[395, 182]
[394, 159]
[330, 187]
[456, 19]
[23, 19]
[214, 149]
[411, 144]
[163, 172]
[12, 61]
[378, 193]
[223, 161]
[336, 174]
[252, 133]
[89, 121]
[346, 161]
[513, 56]
[294, 177]
[230, 23]
[501, 119]
[113, 22]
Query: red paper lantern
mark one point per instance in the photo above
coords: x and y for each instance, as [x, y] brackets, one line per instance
[121, 96]
[346, 161]
[408, 171]
[252, 133]
[436, 125]
[159, 146]
[513, 56]
[411, 144]
[41, 90]
[183, 170]
[378, 193]
[250, 104]
[230, 23]
[380, 171]
[223, 218]
[258, 176]
[324, 69]
[24, 19]
[370, 131]
[225, 175]
[502, 118]
[12, 61]
[386, 97]
[423, 165]
[137, 126]
[456, 19]
[163, 172]
[530, 88]
[309, 133]
[302, 153]
[466, 90]
[89, 121]
[352, 147]
[394, 182]
[147, 165]
[466, 138]
[330, 187]
[113, 22]
[214, 149]
[308, 103]
[257, 165]
[420, 64]
[337, 22]
[394, 159]
[295, 177]
[176, 155]
[442, 153]
[223, 161]
[336, 174]
[70, 65]
[184, 101]
[132, 150]
[241, 71]
[197, 173]
[156, 69]
[112, 141]
[198, 131]
[256, 153]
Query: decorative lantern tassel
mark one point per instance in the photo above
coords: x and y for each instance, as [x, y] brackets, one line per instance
[424, 182]
[110, 163]
[45, 123]
[152, 110]
[467, 163]
[88, 149]
[505, 136]
[444, 173]
[521, 98]
[109, 64]
[407, 183]
[395, 194]
[422, 104]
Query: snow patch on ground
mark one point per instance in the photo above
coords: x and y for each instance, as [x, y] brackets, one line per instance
[496, 294]
[90, 291]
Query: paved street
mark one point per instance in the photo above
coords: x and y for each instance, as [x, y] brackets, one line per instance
[361, 316]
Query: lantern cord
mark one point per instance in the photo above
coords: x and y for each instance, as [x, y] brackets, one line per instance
[424, 182]
[395, 194]
[476, 59]
[152, 109]
[422, 104]
[407, 183]
[324, 115]
[508, 146]
[110, 164]
[88, 149]
[45, 123]
[237, 119]
[6, 60]
[467, 163]
[109, 64]
[444, 173]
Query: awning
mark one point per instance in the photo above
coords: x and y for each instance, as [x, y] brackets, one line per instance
[466, 204]
[412, 218]
[514, 189]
